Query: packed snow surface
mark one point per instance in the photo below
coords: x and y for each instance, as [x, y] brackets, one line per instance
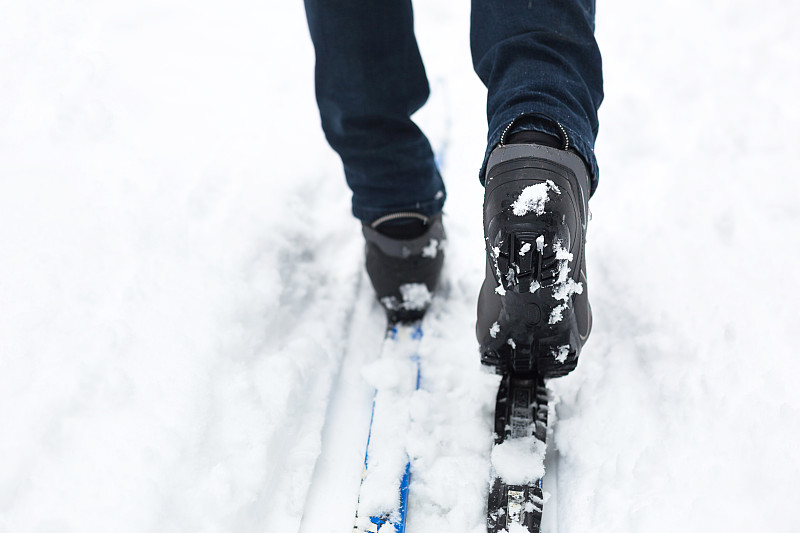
[187, 334]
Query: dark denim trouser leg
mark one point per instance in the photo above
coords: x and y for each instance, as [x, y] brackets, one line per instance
[539, 58]
[369, 81]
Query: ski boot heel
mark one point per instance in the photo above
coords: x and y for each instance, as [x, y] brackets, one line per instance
[539, 330]
[405, 270]
[533, 310]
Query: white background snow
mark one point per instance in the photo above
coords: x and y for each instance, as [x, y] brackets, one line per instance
[184, 317]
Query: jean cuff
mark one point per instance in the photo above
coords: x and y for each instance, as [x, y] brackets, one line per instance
[544, 123]
[428, 208]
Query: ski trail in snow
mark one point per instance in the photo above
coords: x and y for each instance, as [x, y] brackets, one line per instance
[331, 501]
[154, 370]
[550, 480]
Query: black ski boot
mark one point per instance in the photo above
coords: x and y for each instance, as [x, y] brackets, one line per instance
[404, 260]
[533, 309]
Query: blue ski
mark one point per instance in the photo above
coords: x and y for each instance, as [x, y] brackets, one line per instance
[401, 342]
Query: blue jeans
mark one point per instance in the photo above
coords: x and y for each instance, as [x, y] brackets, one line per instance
[538, 59]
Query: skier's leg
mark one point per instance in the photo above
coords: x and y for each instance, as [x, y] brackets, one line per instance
[541, 65]
[369, 81]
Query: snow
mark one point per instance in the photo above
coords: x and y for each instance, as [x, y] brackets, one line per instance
[185, 320]
[394, 377]
[519, 461]
[565, 286]
[534, 198]
[563, 256]
[431, 250]
[557, 314]
[562, 353]
[414, 296]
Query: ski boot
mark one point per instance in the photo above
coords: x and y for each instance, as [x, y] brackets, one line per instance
[404, 256]
[533, 308]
